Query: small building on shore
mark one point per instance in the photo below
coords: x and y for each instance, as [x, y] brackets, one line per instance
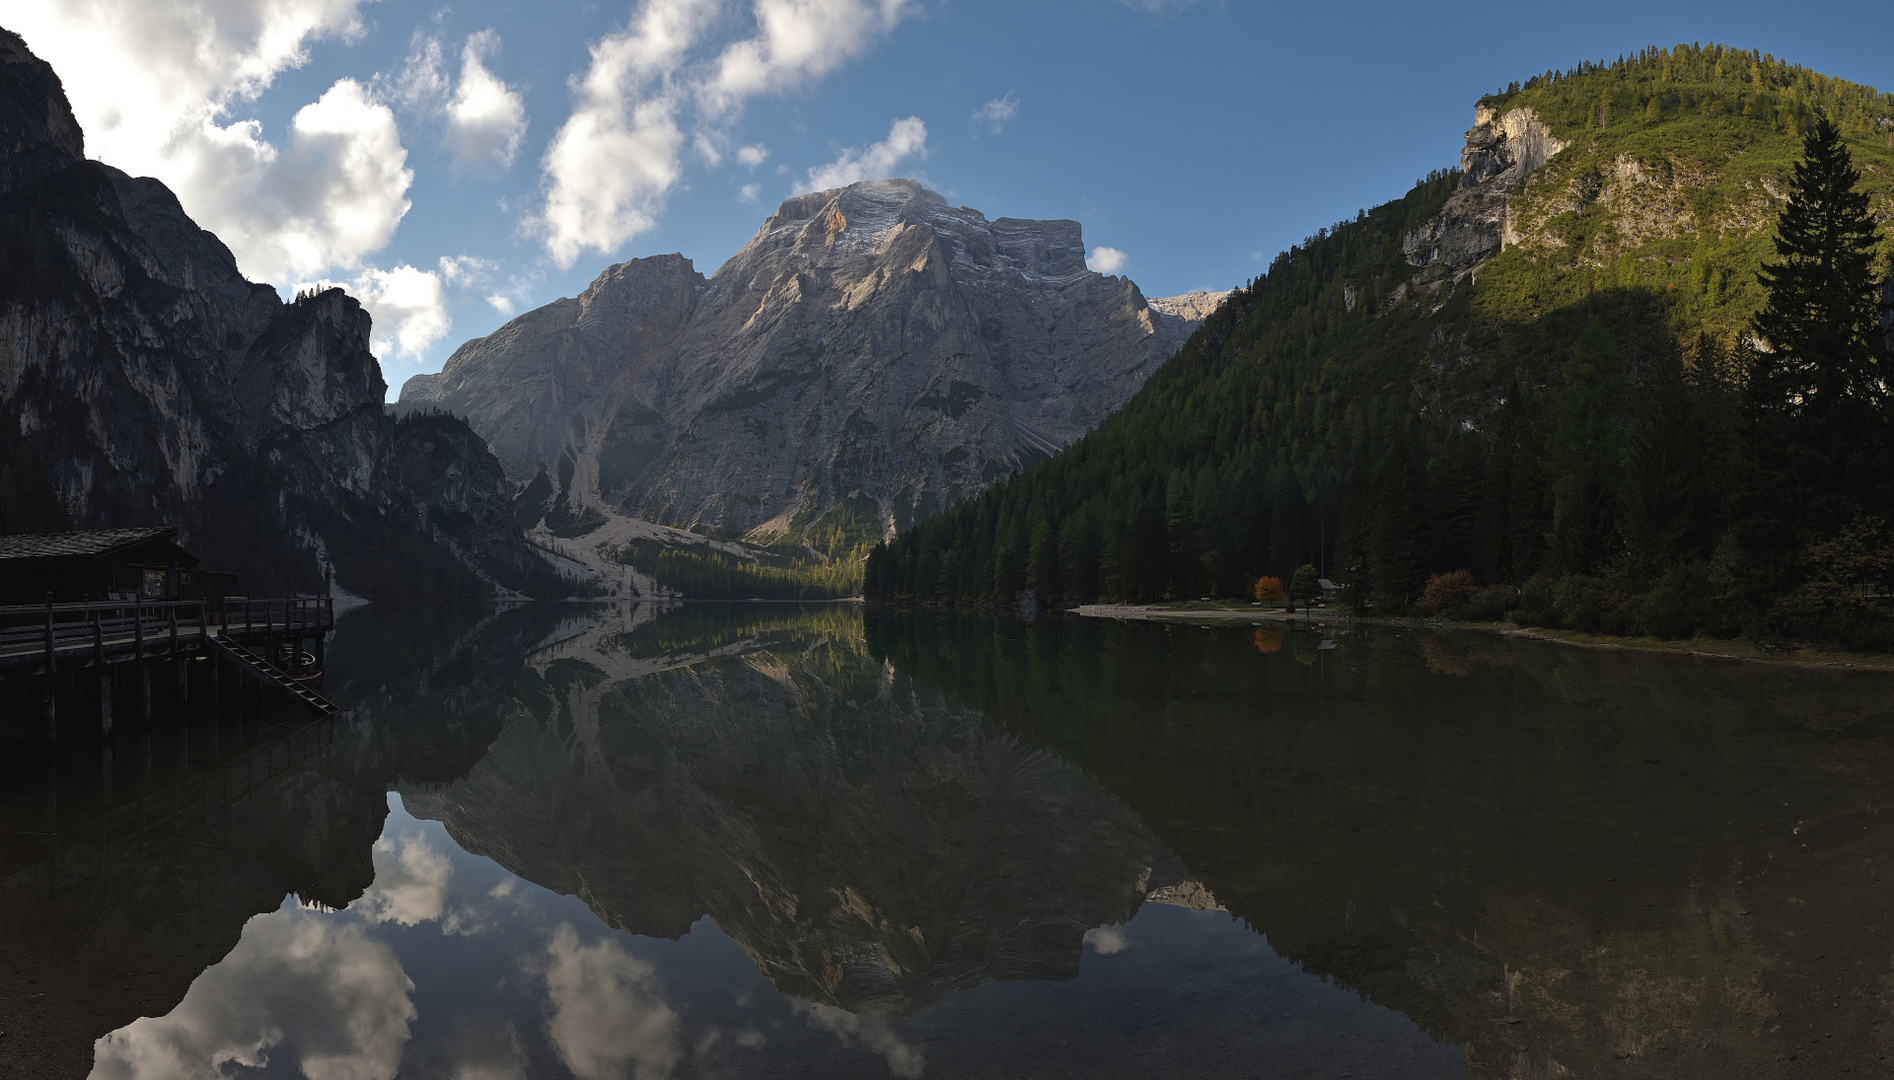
[103, 564]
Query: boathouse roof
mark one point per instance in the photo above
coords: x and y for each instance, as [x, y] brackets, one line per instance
[96, 544]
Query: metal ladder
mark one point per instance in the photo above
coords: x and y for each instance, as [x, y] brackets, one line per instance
[273, 675]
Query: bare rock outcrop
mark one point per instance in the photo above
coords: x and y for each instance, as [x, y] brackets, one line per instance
[1501, 150]
[1190, 307]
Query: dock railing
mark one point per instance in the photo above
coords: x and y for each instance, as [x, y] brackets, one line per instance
[40, 638]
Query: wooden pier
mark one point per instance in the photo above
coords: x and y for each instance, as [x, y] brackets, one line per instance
[45, 639]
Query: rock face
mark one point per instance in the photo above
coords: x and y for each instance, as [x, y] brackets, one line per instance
[157, 385]
[1191, 307]
[1501, 150]
[870, 348]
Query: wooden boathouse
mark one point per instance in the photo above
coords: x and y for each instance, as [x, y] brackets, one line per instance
[129, 596]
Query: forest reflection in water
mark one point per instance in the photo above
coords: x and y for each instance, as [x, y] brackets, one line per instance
[791, 841]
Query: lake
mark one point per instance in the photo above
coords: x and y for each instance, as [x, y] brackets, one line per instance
[782, 841]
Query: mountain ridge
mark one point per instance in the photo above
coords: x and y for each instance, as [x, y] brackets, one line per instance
[870, 350]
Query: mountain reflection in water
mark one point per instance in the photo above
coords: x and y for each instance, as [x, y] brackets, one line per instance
[780, 841]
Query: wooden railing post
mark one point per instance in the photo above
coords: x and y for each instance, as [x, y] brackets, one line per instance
[173, 609]
[98, 638]
[51, 660]
[138, 621]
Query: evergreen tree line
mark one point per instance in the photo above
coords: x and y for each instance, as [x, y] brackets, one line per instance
[1655, 82]
[1621, 476]
[701, 572]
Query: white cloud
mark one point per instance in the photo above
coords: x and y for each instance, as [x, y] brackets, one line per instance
[796, 41]
[300, 990]
[1106, 260]
[607, 1019]
[424, 86]
[486, 118]
[482, 119]
[501, 303]
[155, 85]
[1157, 7]
[997, 112]
[906, 139]
[470, 269]
[609, 168]
[407, 307]
[749, 193]
[904, 1059]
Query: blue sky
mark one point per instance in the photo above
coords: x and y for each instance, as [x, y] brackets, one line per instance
[350, 141]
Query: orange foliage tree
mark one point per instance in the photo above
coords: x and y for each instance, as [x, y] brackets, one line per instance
[1269, 590]
[1445, 590]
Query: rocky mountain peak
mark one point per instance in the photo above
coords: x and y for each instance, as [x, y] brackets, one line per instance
[870, 345]
[38, 134]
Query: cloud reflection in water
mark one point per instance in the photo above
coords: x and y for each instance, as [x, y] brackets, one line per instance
[607, 1018]
[298, 983]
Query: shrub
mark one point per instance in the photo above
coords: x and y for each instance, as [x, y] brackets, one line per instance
[1269, 590]
[1535, 603]
[1581, 602]
[1446, 590]
[1674, 608]
[1491, 603]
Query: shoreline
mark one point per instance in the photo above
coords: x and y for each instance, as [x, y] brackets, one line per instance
[1707, 648]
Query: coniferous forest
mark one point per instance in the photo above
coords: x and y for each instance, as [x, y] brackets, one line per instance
[1663, 409]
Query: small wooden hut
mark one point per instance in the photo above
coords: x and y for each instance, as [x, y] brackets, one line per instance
[103, 564]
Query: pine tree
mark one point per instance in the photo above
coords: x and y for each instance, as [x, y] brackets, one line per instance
[1662, 509]
[1586, 454]
[1816, 393]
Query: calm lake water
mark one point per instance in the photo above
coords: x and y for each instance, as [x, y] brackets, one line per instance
[762, 841]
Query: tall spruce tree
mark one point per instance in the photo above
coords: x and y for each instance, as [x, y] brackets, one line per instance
[1664, 507]
[1586, 454]
[1816, 394]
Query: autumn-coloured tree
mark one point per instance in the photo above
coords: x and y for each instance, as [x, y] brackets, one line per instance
[1445, 590]
[1269, 590]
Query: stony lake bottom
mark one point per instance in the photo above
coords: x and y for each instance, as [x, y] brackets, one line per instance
[770, 840]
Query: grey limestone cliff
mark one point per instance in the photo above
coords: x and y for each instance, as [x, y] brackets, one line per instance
[154, 384]
[1501, 150]
[871, 348]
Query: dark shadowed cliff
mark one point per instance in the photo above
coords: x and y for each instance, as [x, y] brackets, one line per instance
[145, 381]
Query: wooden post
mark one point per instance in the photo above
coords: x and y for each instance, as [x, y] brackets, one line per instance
[105, 704]
[138, 621]
[173, 609]
[98, 638]
[51, 660]
[269, 618]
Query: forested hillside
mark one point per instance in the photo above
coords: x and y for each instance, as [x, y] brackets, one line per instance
[1567, 414]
